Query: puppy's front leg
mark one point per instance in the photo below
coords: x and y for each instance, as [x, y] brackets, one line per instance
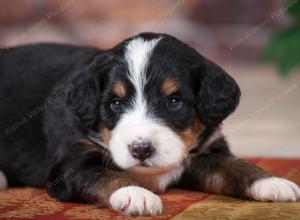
[222, 173]
[85, 179]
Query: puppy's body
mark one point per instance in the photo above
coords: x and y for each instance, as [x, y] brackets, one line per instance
[105, 126]
[28, 76]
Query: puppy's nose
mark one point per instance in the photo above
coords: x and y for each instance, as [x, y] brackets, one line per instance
[141, 149]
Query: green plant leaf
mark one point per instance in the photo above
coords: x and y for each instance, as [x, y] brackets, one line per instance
[293, 8]
[284, 49]
[288, 64]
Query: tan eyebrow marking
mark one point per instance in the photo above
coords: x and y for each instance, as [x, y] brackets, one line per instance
[169, 86]
[119, 89]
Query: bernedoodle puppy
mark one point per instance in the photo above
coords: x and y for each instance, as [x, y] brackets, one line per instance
[113, 127]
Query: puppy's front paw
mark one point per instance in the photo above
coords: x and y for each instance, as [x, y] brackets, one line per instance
[135, 200]
[274, 189]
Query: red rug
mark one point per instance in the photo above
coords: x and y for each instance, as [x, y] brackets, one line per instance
[29, 203]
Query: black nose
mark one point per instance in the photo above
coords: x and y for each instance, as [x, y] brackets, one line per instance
[141, 150]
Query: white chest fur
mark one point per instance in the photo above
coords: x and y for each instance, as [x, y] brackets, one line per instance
[158, 182]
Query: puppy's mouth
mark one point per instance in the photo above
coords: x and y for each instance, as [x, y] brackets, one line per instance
[152, 167]
[144, 168]
[144, 164]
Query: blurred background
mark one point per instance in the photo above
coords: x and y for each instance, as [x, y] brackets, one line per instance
[256, 41]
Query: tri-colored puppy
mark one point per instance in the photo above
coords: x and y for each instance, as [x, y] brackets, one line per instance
[114, 127]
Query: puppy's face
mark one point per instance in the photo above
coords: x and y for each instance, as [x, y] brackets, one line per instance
[156, 97]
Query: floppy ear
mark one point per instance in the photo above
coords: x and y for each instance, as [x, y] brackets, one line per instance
[84, 97]
[218, 93]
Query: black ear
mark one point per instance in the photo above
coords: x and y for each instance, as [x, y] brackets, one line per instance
[218, 93]
[85, 95]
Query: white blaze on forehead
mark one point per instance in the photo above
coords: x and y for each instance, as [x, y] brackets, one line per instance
[137, 54]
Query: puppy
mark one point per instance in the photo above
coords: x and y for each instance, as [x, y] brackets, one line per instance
[114, 127]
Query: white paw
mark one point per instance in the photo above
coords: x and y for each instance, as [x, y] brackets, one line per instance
[275, 189]
[135, 200]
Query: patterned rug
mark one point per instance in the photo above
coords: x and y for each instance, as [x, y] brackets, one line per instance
[29, 203]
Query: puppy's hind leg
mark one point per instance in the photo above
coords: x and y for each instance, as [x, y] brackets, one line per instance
[3, 181]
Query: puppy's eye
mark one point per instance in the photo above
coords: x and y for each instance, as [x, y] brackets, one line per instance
[116, 105]
[174, 103]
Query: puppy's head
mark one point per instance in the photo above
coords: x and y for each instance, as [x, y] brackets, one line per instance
[151, 97]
